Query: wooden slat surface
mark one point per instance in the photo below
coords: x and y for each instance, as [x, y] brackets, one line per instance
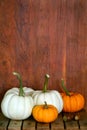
[3, 122]
[71, 125]
[58, 124]
[83, 121]
[15, 125]
[43, 36]
[42, 126]
[29, 124]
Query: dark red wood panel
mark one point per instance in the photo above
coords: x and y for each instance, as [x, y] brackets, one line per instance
[43, 36]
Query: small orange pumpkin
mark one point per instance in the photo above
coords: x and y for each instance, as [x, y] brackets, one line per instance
[73, 102]
[45, 113]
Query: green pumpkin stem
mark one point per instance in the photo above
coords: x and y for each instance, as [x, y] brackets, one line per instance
[45, 105]
[21, 91]
[46, 82]
[64, 88]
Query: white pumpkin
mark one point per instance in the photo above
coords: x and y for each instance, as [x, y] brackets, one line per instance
[50, 96]
[17, 103]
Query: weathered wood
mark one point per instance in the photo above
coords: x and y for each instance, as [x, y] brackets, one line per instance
[83, 124]
[15, 125]
[43, 126]
[29, 124]
[83, 120]
[58, 123]
[3, 122]
[71, 125]
[43, 36]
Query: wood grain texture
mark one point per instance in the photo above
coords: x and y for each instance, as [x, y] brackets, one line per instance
[59, 123]
[43, 36]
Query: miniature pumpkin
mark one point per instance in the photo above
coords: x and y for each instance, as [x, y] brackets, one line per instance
[73, 102]
[45, 113]
[17, 103]
[52, 97]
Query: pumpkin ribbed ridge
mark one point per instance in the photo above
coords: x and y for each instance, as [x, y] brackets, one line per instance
[74, 102]
[45, 115]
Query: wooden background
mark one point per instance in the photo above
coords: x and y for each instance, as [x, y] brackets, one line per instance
[43, 36]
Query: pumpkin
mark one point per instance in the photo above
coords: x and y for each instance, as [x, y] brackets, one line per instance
[17, 103]
[73, 102]
[52, 97]
[45, 113]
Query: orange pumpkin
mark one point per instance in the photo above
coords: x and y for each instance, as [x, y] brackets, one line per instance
[45, 113]
[73, 102]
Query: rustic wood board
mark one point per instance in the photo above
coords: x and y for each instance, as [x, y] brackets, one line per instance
[83, 124]
[43, 36]
[29, 124]
[15, 125]
[71, 125]
[83, 120]
[3, 122]
[58, 123]
[43, 126]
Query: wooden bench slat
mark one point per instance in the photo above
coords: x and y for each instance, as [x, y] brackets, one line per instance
[71, 125]
[29, 124]
[15, 125]
[43, 126]
[3, 122]
[58, 123]
[83, 125]
[83, 120]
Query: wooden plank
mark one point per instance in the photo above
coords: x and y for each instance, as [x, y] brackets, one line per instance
[50, 37]
[83, 125]
[83, 120]
[58, 123]
[15, 125]
[43, 126]
[69, 121]
[71, 125]
[3, 122]
[29, 124]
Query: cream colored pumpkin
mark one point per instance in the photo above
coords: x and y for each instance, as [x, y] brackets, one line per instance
[16, 107]
[52, 97]
[17, 103]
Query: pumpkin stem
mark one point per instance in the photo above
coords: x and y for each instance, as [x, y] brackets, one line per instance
[46, 82]
[45, 105]
[64, 88]
[21, 91]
